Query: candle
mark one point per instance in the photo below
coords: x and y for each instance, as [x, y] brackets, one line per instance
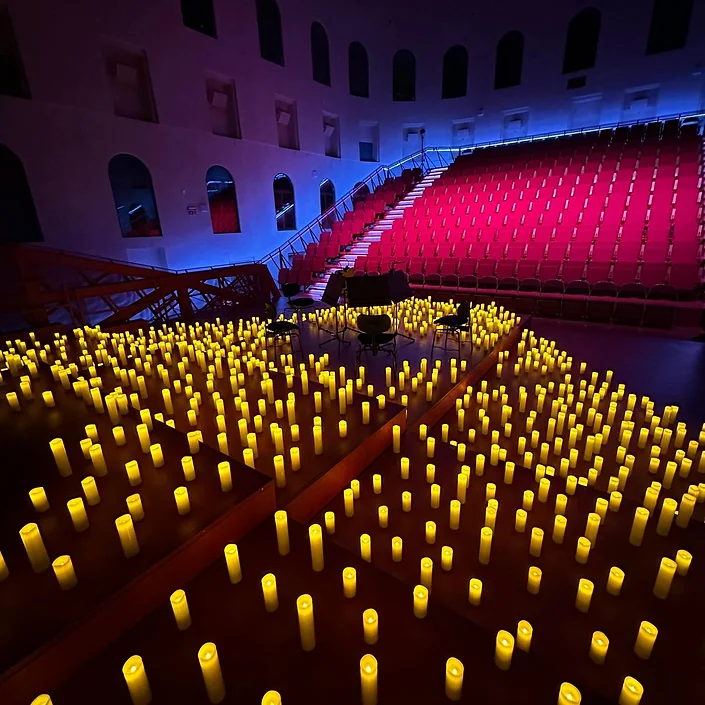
[282, 525]
[366, 548]
[128, 537]
[155, 451]
[645, 640]
[536, 542]
[582, 551]
[632, 692]
[664, 578]
[65, 574]
[348, 502]
[406, 501]
[34, 546]
[615, 579]
[508, 472]
[524, 634]
[504, 648]
[485, 545]
[446, 558]
[377, 483]
[615, 501]
[304, 607]
[370, 625]
[315, 537]
[212, 675]
[194, 441]
[584, 595]
[368, 679]
[183, 504]
[475, 591]
[533, 582]
[683, 561]
[349, 582]
[269, 591]
[685, 510]
[528, 500]
[60, 457]
[179, 605]
[569, 695]
[435, 496]
[279, 471]
[134, 507]
[426, 573]
[383, 516]
[420, 601]
[641, 517]
[668, 510]
[330, 522]
[38, 497]
[272, 697]
[4, 571]
[232, 561]
[430, 447]
[77, 510]
[520, 521]
[454, 678]
[404, 465]
[397, 546]
[598, 647]
[318, 440]
[430, 532]
[136, 679]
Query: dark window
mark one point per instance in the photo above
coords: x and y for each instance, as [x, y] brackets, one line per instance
[404, 76]
[320, 55]
[134, 197]
[581, 41]
[368, 152]
[222, 200]
[199, 15]
[269, 26]
[13, 80]
[360, 192]
[19, 216]
[358, 70]
[327, 194]
[670, 22]
[509, 60]
[455, 73]
[576, 82]
[284, 204]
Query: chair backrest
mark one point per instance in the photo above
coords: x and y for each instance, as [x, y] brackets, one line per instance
[374, 325]
[270, 311]
[290, 289]
[463, 310]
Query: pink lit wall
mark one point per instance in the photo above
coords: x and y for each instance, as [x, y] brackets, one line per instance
[67, 133]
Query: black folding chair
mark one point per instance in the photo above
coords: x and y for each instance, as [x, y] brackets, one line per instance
[453, 325]
[376, 336]
[278, 330]
[295, 302]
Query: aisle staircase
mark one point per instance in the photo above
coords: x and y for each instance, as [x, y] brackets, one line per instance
[374, 232]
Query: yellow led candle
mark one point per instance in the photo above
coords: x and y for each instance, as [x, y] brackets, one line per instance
[212, 674]
[446, 558]
[683, 561]
[615, 580]
[282, 526]
[397, 547]
[38, 497]
[569, 695]
[269, 591]
[370, 625]
[315, 536]
[524, 634]
[645, 640]
[533, 581]
[304, 608]
[430, 532]
[430, 447]
[667, 570]
[632, 692]
[508, 472]
[179, 605]
[4, 571]
[520, 521]
[404, 465]
[366, 548]
[454, 679]
[128, 537]
[475, 591]
[377, 483]
[194, 442]
[383, 516]
[65, 574]
[536, 542]
[485, 545]
[584, 595]
[420, 601]
[641, 517]
[13, 401]
[685, 510]
[435, 496]
[504, 648]
[330, 522]
[77, 510]
[60, 457]
[598, 647]
[136, 679]
[582, 551]
[272, 697]
[668, 510]
[406, 501]
[365, 412]
[348, 502]
[34, 546]
[368, 679]
[183, 504]
[615, 501]
[232, 561]
[318, 440]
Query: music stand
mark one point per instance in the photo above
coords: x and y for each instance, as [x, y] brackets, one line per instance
[399, 290]
[335, 288]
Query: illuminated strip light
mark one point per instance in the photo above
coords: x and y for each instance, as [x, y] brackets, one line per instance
[286, 208]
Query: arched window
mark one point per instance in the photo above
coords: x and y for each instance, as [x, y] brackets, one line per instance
[404, 76]
[269, 27]
[320, 55]
[581, 41]
[19, 216]
[222, 200]
[455, 72]
[284, 205]
[358, 70]
[360, 193]
[670, 23]
[327, 194]
[134, 197]
[509, 60]
[199, 15]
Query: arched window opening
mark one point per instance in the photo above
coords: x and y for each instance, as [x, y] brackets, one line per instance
[19, 216]
[362, 191]
[320, 54]
[358, 70]
[455, 73]
[404, 76]
[222, 200]
[199, 15]
[670, 24]
[133, 192]
[509, 60]
[284, 204]
[581, 41]
[269, 27]
[327, 193]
